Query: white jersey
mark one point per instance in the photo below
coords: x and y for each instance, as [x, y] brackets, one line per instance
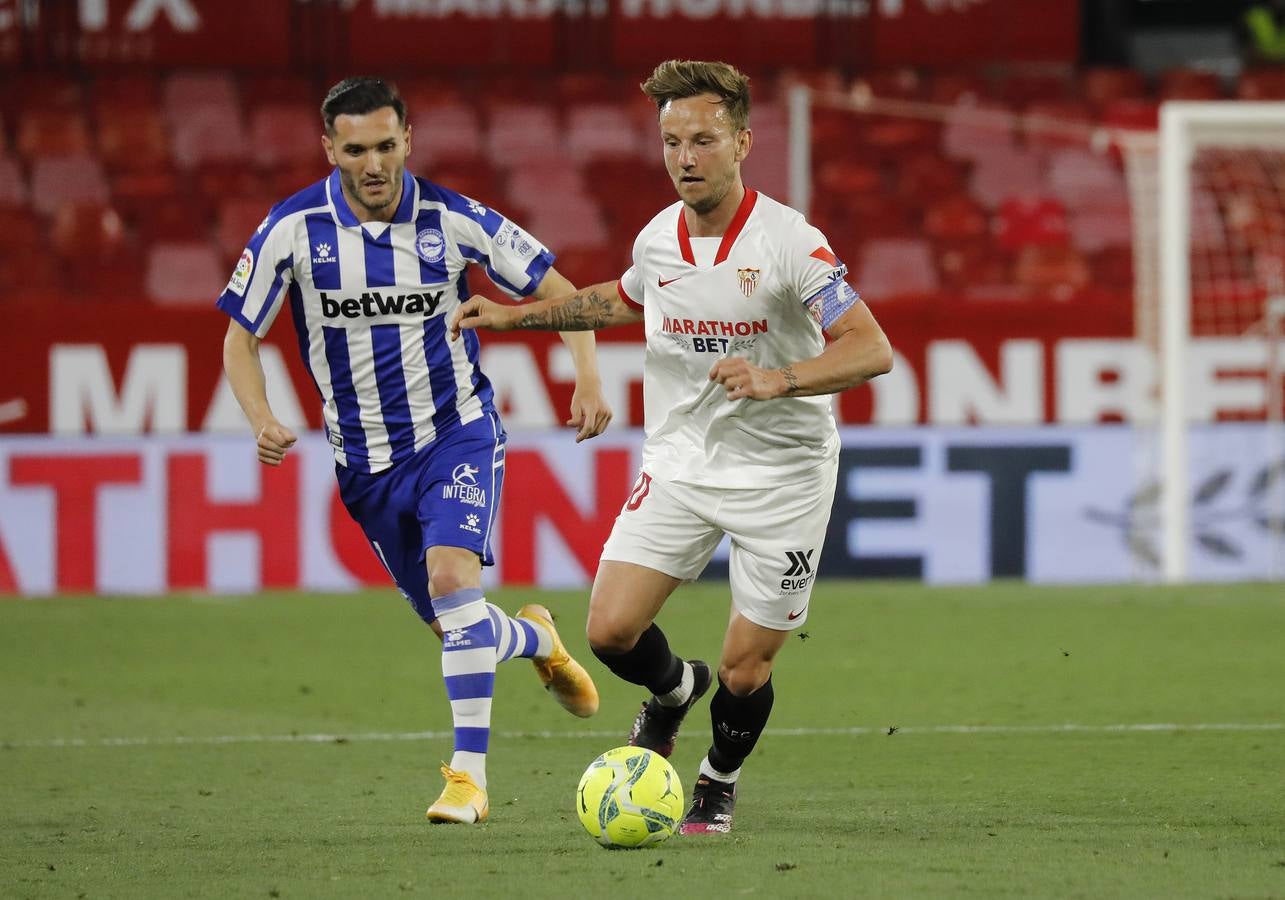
[370, 304]
[757, 292]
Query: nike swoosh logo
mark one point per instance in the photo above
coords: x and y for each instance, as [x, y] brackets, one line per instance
[794, 615]
[662, 282]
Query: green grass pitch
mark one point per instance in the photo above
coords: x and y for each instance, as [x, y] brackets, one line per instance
[178, 747]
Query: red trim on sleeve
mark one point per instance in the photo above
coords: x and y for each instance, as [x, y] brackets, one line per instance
[620, 289]
[738, 222]
[824, 254]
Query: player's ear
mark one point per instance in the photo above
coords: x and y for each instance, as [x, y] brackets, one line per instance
[744, 140]
[329, 146]
[406, 138]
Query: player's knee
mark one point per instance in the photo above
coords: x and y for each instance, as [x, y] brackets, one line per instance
[447, 580]
[608, 635]
[743, 679]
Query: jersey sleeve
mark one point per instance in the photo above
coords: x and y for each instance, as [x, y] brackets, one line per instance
[632, 284]
[817, 276]
[263, 274]
[512, 258]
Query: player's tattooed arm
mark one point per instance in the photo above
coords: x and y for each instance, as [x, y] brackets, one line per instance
[585, 310]
[791, 380]
[588, 309]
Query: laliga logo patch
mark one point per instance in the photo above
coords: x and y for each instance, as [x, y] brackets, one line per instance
[431, 245]
[749, 279]
[241, 275]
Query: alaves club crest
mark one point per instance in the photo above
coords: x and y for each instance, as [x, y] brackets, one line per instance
[749, 279]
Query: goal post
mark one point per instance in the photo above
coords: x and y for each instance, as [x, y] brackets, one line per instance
[1253, 137]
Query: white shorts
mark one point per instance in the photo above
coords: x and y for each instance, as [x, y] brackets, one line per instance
[776, 535]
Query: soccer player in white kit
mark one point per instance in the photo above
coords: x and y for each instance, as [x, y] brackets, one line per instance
[737, 293]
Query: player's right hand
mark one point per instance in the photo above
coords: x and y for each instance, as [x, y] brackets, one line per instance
[479, 312]
[274, 440]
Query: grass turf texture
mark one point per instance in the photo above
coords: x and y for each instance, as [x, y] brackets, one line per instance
[919, 812]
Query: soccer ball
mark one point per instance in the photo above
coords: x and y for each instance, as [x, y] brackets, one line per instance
[630, 797]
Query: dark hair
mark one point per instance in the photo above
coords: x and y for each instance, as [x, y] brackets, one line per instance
[358, 96]
[677, 79]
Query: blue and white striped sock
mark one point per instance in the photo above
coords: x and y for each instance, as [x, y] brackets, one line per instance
[517, 637]
[468, 667]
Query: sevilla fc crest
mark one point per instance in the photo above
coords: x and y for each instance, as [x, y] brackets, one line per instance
[749, 279]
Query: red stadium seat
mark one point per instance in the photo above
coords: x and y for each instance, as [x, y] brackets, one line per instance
[972, 267]
[846, 177]
[976, 132]
[86, 231]
[201, 137]
[1095, 228]
[188, 273]
[566, 222]
[284, 182]
[283, 134]
[187, 92]
[927, 177]
[1059, 272]
[178, 217]
[1265, 83]
[1102, 86]
[524, 134]
[1190, 84]
[221, 182]
[1025, 219]
[1081, 178]
[1139, 114]
[596, 130]
[954, 218]
[896, 267]
[48, 133]
[447, 133]
[69, 179]
[132, 138]
[238, 218]
[533, 185]
[1113, 268]
[477, 181]
[1006, 173]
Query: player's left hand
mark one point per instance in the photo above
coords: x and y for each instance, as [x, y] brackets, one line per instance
[590, 413]
[743, 379]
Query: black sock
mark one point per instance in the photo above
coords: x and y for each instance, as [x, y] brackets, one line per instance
[649, 663]
[738, 722]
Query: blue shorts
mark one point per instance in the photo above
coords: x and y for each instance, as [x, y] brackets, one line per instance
[446, 495]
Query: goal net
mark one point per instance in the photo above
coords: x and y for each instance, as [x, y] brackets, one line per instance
[1208, 194]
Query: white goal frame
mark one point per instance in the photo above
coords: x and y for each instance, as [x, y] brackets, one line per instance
[1183, 127]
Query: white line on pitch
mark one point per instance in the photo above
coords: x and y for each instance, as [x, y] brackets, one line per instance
[376, 736]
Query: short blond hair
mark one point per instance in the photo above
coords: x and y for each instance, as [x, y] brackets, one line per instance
[677, 79]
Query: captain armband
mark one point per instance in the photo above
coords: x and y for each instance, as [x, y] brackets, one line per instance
[831, 302]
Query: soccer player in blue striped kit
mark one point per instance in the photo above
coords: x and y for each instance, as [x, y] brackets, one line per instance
[372, 261]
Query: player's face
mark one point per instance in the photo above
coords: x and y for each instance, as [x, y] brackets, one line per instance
[370, 151]
[703, 150]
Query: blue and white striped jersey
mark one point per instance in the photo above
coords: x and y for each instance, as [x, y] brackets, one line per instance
[370, 304]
